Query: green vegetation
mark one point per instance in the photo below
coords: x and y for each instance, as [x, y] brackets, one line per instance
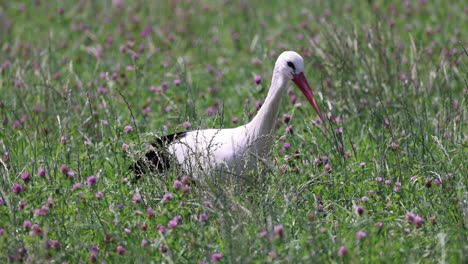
[85, 85]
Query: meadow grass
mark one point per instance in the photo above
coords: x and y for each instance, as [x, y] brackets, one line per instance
[85, 85]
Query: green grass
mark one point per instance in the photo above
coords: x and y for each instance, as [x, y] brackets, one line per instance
[393, 78]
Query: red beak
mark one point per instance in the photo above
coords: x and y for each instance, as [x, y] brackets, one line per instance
[301, 82]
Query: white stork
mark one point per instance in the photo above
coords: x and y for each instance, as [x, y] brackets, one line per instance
[233, 150]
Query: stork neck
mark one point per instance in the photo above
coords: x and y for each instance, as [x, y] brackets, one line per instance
[264, 122]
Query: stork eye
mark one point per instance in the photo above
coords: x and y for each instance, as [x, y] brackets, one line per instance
[291, 65]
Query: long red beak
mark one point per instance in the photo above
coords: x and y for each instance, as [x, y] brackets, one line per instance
[301, 82]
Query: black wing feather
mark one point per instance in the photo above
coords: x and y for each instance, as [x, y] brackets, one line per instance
[158, 159]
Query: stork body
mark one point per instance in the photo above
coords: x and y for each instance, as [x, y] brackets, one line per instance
[233, 150]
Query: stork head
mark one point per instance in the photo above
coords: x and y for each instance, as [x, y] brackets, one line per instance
[289, 63]
[291, 66]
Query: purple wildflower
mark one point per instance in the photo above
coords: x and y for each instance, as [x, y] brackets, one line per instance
[317, 162]
[41, 172]
[278, 231]
[173, 223]
[167, 197]
[320, 208]
[257, 79]
[93, 256]
[216, 257]
[44, 210]
[26, 177]
[124, 147]
[35, 230]
[339, 131]
[149, 212]
[360, 234]
[210, 111]
[418, 221]
[177, 184]
[120, 250]
[185, 179]
[359, 210]
[324, 159]
[428, 183]
[91, 180]
[17, 188]
[272, 255]
[187, 124]
[41, 212]
[71, 174]
[364, 198]
[410, 217]
[161, 229]
[258, 104]
[342, 251]
[145, 32]
[63, 139]
[94, 248]
[18, 83]
[114, 74]
[203, 217]
[164, 85]
[136, 198]
[102, 90]
[135, 56]
[163, 248]
[64, 169]
[76, 185]
[144, 243]
[128, 129]
[16, 124]
[186, 189]
[53, 244]
[235, 119]
[27, 224]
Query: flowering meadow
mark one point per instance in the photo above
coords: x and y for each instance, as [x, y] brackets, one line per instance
[85, 86]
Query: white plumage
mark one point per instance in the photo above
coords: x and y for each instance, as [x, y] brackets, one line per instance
[236, 150]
